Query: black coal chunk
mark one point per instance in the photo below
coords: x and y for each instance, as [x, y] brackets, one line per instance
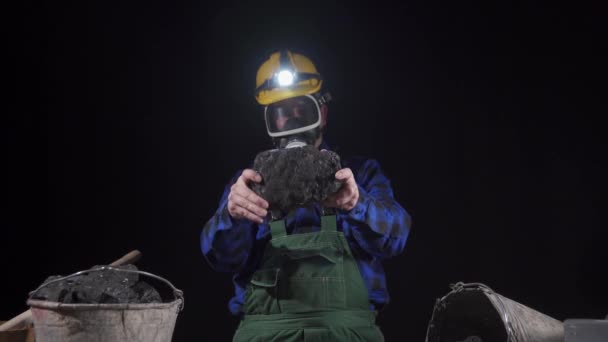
[99, 287]
[296, 177]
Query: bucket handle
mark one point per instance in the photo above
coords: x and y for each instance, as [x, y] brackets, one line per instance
[179, 294]
[459, 286]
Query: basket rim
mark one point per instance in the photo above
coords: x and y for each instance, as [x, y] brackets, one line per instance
[49, 305]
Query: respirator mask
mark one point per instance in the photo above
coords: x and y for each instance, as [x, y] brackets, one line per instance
[294, 122]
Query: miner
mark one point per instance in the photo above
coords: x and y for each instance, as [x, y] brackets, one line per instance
[315, 273]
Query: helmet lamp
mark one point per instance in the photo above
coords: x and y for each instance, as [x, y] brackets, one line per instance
[285, 78]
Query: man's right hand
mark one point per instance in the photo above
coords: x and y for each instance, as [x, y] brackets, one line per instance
[243, 202]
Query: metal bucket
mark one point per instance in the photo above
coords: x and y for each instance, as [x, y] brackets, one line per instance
[475, 313]
[21, 333]
[60, 322]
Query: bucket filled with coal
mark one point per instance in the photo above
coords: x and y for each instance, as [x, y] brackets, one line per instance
[106, 303]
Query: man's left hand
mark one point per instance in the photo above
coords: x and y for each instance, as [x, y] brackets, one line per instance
[346, 198]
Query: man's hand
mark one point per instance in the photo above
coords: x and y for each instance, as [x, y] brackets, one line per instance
[346, 198]
[243, 202]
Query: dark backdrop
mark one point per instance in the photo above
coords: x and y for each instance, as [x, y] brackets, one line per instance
[123, 121]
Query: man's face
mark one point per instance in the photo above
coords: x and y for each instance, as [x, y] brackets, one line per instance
[292, 114]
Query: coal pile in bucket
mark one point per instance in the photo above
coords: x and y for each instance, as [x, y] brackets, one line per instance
[105, 286]
[296, 176]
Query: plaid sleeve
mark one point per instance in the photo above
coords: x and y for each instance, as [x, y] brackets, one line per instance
[378, 223]
[226, 242]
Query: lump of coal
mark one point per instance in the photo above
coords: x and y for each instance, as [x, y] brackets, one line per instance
[99, 287]
[296, 177]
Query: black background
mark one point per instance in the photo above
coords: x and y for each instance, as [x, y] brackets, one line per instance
[123, 121]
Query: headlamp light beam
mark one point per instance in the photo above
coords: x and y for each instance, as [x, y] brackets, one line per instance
[285, 78]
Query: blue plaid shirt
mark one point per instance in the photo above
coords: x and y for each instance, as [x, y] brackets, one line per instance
[376, 228]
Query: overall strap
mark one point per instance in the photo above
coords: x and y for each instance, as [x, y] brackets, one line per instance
[277, 229]
[328, 223]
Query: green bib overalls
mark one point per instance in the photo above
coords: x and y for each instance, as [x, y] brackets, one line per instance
[308, 288]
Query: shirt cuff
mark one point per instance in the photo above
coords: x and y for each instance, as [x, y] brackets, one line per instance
[359, 211]
[230, 222]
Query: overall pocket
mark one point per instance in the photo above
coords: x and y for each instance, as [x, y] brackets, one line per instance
[311, 279]
[261, 293]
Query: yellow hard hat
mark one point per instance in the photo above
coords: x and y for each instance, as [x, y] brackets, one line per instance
[285, 75]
